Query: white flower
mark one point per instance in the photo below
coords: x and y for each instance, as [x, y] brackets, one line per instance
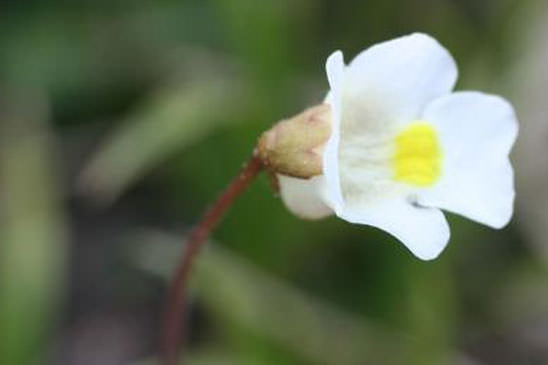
[403, 146]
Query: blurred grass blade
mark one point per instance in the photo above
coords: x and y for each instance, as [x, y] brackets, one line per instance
[174, 118]
[303, 324]
[528, 82]
[242, 294]
[32, 250]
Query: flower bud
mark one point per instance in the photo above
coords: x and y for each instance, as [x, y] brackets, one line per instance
[294, 146]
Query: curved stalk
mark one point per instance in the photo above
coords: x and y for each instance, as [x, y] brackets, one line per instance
[175, 306]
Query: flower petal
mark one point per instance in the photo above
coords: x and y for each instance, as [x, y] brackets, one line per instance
[395, 80]
[424, 231]
[303, 197]
[384, 87]
[335, 74]
[476, 133]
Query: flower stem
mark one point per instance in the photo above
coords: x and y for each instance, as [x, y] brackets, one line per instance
[175, 305]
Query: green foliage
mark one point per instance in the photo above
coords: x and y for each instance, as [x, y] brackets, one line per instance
[33, 250]
[171, 96]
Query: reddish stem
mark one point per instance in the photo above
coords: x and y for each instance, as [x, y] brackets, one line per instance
[175, 308]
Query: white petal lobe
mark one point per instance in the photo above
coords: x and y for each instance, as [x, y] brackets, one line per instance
[424, 231]
[398, 78]
[335, 74]
[302, 197]
[477, 132]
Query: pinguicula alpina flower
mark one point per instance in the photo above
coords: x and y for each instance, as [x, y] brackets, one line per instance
[390, 146]
[399, 146]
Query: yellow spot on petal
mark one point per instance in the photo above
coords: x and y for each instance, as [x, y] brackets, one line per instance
[417, 157]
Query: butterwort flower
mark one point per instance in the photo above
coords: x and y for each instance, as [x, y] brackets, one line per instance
[392, 145]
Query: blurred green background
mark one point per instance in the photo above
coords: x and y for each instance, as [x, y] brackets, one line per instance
[120, 121]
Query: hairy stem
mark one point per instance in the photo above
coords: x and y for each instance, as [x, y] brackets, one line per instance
[175, 306]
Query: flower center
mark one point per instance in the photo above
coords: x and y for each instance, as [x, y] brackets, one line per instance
[417, 157]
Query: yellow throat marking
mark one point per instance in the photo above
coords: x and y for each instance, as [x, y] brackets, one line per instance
[417, 157]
